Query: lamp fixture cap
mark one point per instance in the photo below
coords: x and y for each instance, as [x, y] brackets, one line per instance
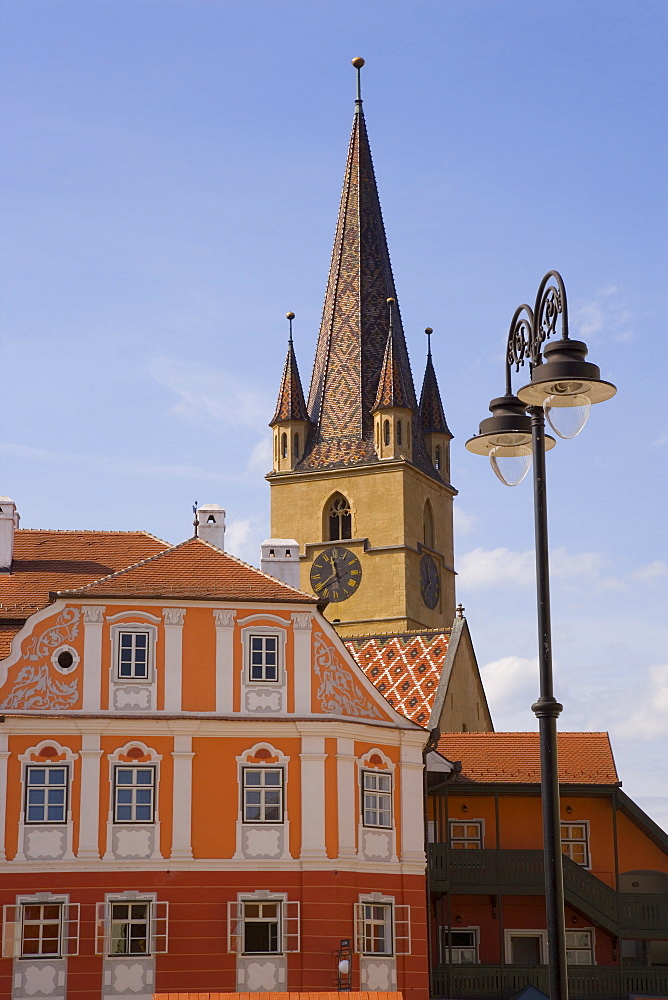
[565, 373]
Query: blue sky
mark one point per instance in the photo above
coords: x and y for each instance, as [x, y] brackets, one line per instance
[170, 179]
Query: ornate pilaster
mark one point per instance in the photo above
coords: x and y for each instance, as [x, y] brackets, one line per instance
[173, 625]
[93, 618]
[224, 619]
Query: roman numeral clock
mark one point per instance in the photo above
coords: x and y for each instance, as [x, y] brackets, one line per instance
[336, 574]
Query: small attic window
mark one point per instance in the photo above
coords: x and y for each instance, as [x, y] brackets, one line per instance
[287, 552]
[271, 553]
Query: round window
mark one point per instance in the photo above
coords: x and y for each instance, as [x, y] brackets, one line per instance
[65, 660]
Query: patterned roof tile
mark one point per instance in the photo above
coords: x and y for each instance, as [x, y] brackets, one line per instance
[290, 404]
[393, 390]
[432, 417]
[584, 758]
[405, 667]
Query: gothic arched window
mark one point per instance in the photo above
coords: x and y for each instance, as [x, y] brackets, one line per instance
[399, 432]
[437, 457]
[428, 526]
[386, 432]
[339, 518]
[284, 445]
[296, 445]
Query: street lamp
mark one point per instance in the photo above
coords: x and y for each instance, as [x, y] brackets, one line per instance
[562, 388]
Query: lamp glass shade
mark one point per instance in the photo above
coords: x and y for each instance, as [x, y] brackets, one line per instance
[510, 463]
[567, 414]
[344, 967]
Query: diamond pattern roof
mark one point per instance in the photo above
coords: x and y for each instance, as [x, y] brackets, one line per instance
[405, 667]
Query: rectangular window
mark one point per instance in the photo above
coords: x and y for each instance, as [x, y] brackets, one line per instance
[133, 653]
[134, 794]
[46, 794]
[263, 794]
[575, 842]
[377, 928]
[130, 928]
[459, 946]
[263, 658]
[262, 927]
[579, 950]
[377, 798]
[41, 929]
[466, 836]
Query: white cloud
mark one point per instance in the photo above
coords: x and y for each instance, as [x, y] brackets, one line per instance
[207, 392]
[648, 707]
[511, 686]
[242, 539]
[259, 459]
[464, 523]
[605, 312]
[651, 571]
[489, 568]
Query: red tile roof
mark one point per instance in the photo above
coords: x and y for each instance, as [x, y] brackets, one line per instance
[405, 667]
[279, 996]
[584, 758]
[193, 570]
[50, 560]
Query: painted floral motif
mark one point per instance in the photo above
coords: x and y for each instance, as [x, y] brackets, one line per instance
[36, 686]
[338, 693]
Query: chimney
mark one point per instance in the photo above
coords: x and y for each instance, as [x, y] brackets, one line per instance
[279, 557]
[9, 522]
[211, 524]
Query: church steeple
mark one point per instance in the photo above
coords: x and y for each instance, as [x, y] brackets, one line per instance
[290, 420]
[370, 511]
[355, 323]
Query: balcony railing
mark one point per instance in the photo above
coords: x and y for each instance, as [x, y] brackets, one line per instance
[626, 914]
[593, 982]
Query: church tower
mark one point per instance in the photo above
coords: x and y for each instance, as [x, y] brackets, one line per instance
[361, 472]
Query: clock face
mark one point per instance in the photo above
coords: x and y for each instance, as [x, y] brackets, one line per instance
[336, 574]
[430, 586]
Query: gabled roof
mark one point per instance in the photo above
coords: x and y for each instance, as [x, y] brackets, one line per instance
[432, 416]
[193, 570]
[584, 758]
[405, 667]
[46, 560]
[290, 404]
[393, 389]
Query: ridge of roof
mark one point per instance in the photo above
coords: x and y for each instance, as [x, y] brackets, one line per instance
[89, 531]
[194, 539]
[290, 404]
[432, 415]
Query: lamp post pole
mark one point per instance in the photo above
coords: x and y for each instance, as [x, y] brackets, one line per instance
[547, 710]
[561, 380]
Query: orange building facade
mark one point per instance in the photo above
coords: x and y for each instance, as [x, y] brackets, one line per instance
[204, 790]
[486, 877]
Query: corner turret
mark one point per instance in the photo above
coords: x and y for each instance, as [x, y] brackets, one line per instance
[290, 422]
[393, 410]
[437, 436]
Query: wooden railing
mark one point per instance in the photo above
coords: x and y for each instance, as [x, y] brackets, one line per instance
[626, 914]
[593, 982]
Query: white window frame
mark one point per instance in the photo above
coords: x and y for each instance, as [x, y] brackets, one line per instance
[466, 839]
[262, 769]
[264, 631]
[48, 765]
[157, 920]
[377, 794]
[126, 766]
[452, 953]
[262, 637]
[591, 950]
[13, 916]
[289, 921]
[540, 933]
[569, 842]
[133, 627]
[397, 921]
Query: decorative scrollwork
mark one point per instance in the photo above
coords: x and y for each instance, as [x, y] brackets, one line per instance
[549, 309]
[64, 629]
[520, 337]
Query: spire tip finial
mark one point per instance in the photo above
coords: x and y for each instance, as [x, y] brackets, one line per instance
[428, 330]
[358, 62]
[290, 316]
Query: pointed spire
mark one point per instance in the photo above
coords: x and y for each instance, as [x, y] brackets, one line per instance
[290, 404]
[432, 417]
[393, 389]
[355, 325]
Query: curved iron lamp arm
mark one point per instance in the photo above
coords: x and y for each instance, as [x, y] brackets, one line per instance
[529, 332]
